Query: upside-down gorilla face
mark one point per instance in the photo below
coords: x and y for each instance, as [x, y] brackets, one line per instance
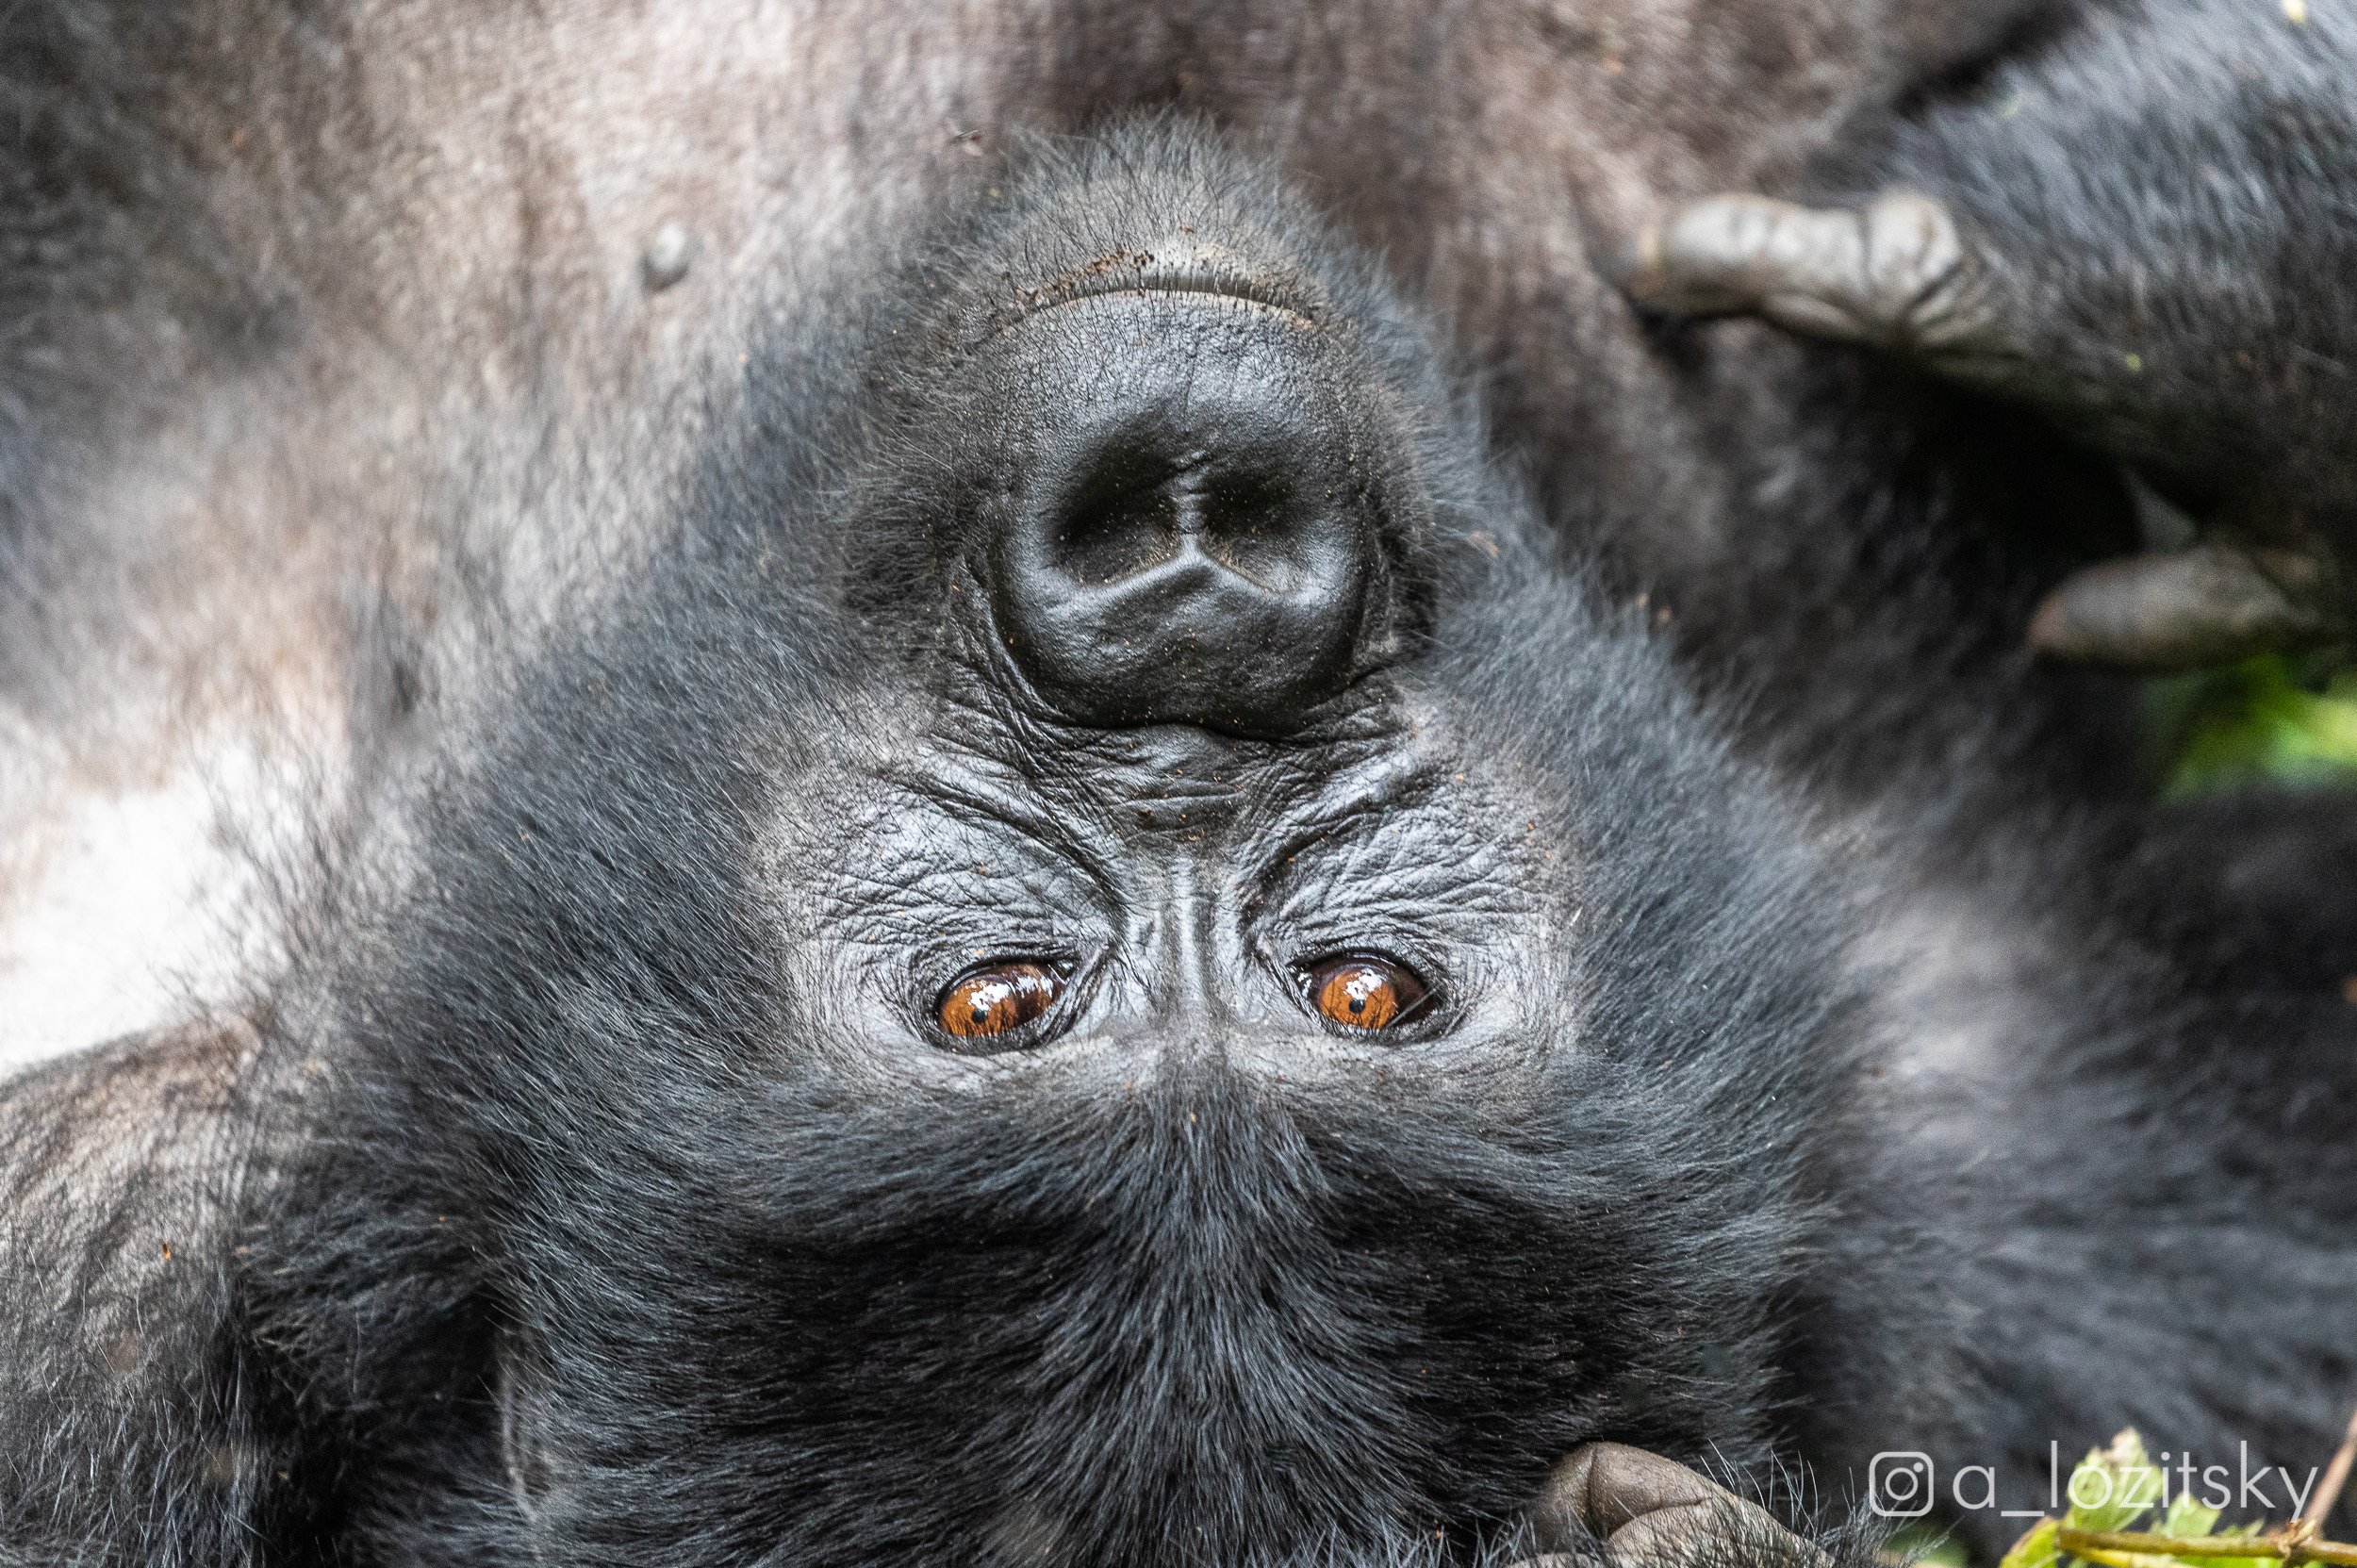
[1113, 967]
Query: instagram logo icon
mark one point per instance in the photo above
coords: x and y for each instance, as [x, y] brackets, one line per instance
[1899, 1484]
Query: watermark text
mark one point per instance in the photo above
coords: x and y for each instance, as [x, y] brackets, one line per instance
[1903, 1483]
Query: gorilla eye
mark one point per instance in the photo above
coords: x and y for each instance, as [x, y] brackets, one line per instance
[1366, 991]
[997, 998]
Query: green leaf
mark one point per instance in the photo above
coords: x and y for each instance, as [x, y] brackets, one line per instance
[2186, 1517]
[2113, 1485]
[2268, 719]
[2039, 1549]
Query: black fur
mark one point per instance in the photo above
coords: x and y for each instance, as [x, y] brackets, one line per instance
[594, 1192]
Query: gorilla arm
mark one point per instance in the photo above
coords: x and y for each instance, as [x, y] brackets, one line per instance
[2149, 232]
[125, 1424]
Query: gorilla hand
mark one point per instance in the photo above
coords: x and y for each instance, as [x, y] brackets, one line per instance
[1894, 276]
[1632, 1508]
[1901, 276]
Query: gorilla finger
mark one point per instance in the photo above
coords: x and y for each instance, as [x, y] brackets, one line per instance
[1647, 1510]
[2207, 605]
[1600, 1487]
[1895, 274]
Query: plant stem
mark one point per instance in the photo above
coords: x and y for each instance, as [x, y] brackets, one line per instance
[2335, 1477]
[2205, 1545]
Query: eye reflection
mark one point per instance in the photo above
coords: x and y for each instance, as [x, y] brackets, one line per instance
[1365, 991]
[997, 998]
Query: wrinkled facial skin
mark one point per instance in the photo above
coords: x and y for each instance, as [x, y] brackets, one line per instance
[1182, 888]
[780, 1256]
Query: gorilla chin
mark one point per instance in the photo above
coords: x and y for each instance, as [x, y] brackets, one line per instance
[1194, 1315]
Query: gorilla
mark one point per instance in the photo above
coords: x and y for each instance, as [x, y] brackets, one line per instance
[1201, 784]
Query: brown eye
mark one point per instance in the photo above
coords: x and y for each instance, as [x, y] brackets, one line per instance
[997, 998]
[1365, 991]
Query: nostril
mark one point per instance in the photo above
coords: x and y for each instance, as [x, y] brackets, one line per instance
[1188, 536]
[1122, 517]
[1131, 511]
[1180, 571]
[1251, 525]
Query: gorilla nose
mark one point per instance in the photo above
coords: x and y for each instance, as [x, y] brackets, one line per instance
[1177, 581]
[1197, 539]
